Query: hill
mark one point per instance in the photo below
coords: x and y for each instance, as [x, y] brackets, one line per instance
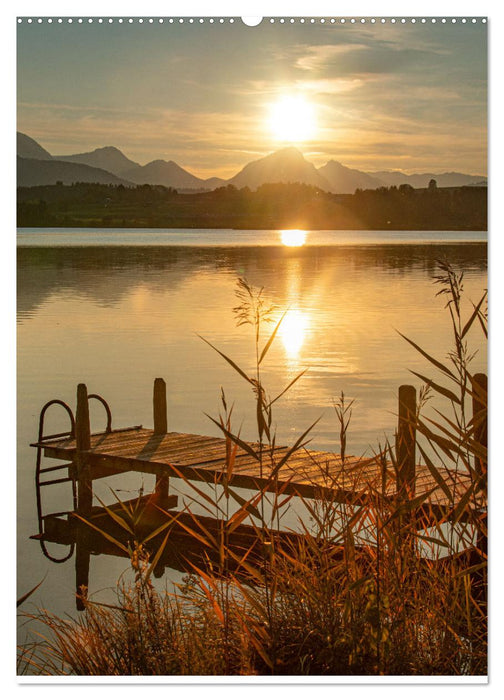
[343, 180]
[29, 148]
[107, 158]
[31, 171]
[166, 173]
[287, 166]
[417, 180]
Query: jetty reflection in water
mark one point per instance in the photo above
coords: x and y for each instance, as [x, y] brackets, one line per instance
[165, 534]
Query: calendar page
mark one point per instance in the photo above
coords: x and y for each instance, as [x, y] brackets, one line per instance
[252, 348]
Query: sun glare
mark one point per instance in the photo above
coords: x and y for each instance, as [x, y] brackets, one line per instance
[292, 119]
[293, 238]
[293, 332]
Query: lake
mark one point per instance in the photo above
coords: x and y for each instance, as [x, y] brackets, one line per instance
[117, 308]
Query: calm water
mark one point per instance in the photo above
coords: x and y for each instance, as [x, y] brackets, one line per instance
[120, 308]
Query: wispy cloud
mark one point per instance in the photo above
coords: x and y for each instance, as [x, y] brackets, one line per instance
[317, 57]
[329, 86]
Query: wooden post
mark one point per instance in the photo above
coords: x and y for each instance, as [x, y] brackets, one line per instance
[480, 417]
[406, 441]
[159, 405]
[160, 428]
[82, 559]
[480, 420]
[84, 493]
[83, 443]
[406, 471]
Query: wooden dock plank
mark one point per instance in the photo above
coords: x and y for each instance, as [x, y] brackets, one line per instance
[145, 439]
[159, 451]
[203, 458]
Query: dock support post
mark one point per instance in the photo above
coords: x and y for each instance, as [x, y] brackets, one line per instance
[406, 468]
[480, 420]
[84, 494]
[479, 407]
[160, 428]
[406, 441]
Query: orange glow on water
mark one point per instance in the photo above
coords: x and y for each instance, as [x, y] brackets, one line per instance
[293, 238]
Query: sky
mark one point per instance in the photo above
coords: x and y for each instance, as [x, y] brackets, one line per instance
[214, 96]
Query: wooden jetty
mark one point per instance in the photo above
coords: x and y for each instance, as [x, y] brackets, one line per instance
[198, 458]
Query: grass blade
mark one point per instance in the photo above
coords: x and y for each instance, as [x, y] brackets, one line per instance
[271, 339]
[238, 441]
[228, 360]
[210, 542]
[462, 504]
[248, 505]
[157, 557]
[437, 387]
[431, 359]
[475, 313]
[24, 597]
[117, 518]
[159, 530]
[193, 486]
[435, 474]
[103, 533]
[297, 445]
[296, 378]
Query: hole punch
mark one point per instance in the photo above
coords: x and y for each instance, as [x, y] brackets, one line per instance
[251, 21]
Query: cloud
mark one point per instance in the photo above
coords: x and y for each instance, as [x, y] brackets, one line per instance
[317, 57]
[391, 50]
[330, 86]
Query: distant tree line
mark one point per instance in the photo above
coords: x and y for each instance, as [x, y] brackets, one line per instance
[270, 206]
[447, 208]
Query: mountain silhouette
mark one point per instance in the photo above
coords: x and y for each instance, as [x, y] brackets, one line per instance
[213, 182]
[29, 148]
[162, 172]
[418, 180]
[107, 158]
[345, 180]
[286, 165]
[110, 165]
[31, 171]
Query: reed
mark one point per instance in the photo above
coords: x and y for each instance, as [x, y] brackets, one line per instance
[374, 589]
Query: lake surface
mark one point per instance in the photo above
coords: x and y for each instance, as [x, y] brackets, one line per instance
[233, 238]
[117, 308]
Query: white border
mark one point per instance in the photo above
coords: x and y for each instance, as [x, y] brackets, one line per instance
[263, 680]
[274, 8]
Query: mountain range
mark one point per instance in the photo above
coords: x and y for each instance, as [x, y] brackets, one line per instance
[108, 165]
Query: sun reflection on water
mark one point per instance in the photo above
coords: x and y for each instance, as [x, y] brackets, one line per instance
[293, 331]
[293, 238]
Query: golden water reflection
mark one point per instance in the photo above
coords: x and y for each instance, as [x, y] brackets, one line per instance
[293, 331]
[293, 238]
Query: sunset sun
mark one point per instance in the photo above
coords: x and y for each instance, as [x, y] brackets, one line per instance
[292, 118]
